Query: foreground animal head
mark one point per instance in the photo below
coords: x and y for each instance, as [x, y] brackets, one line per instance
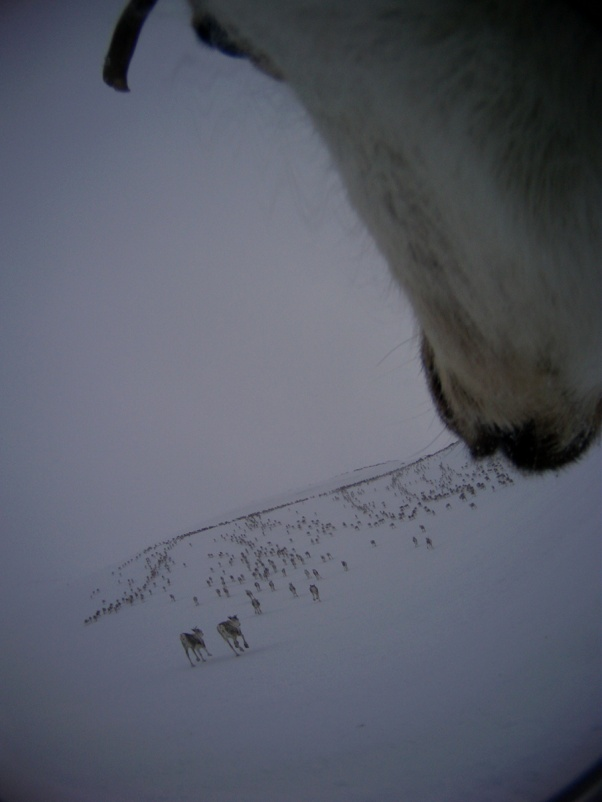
[468, 134]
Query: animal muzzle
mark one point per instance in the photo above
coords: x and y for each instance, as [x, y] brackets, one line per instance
[532, 445]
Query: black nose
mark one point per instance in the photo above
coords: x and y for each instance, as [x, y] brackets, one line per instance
[530, 447]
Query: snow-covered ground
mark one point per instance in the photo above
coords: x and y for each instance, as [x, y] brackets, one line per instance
[469, 672]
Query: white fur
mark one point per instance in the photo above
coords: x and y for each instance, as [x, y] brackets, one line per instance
[468, 135]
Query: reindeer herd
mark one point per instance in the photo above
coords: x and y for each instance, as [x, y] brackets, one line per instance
[230, 630]
[276, 552]
[258, 558]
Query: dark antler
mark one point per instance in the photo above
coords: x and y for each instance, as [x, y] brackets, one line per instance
[123, 43]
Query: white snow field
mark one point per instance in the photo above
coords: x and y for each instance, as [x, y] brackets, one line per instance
[469, 672]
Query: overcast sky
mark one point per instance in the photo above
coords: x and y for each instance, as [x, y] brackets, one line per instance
[191, 318]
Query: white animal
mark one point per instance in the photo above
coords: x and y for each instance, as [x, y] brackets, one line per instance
[230, 631]
[468, 135]
[193, 642]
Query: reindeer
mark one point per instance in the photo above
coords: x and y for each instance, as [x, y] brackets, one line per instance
[193, 642]
[292, 589]
[472, 153]
[315, 593]
[429, 543]
[256, 606]
[230, 631]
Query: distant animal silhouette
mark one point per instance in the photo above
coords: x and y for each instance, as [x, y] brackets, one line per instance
[194, 642]
[230, 631]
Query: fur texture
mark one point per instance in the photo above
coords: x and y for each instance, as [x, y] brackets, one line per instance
[468, 135]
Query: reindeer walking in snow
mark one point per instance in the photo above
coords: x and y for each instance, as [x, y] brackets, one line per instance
[256, 606]
[230, 631]
[193, 642]
[315, 593]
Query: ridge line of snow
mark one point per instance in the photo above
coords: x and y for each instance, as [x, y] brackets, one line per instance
[314, 491]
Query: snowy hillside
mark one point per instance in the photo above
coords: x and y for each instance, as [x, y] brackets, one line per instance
[465, 672]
